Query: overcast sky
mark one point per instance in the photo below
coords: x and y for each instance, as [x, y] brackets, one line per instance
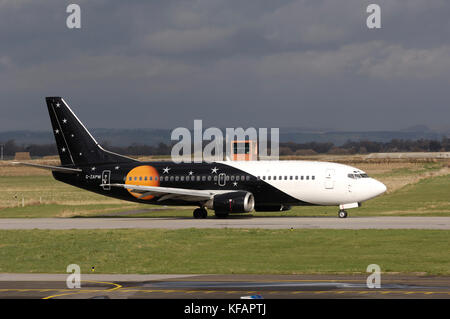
[261, 63]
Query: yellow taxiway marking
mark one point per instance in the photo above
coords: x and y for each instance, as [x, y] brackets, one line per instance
[116, 286]
[291, 292]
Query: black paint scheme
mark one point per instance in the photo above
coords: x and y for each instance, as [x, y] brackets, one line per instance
[264, 194]
[78, 149]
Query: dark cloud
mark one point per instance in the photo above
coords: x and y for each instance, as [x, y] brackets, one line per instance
[231, 63]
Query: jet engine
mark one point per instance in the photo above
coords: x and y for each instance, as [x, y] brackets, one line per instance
[234, 202]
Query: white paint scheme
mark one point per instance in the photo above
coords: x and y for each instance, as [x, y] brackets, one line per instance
[331, 185]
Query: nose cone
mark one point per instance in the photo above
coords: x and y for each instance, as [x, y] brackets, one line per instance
[378, 188]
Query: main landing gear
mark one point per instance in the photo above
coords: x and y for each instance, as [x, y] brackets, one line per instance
[342, 213]
[200, 213]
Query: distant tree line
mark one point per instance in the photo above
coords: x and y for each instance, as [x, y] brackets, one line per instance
[286, 148]
[364, 147]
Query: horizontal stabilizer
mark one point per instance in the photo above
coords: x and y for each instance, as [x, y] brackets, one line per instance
[51, 168]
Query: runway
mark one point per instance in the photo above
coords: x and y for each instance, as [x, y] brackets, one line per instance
[233, 222]
[48, 286]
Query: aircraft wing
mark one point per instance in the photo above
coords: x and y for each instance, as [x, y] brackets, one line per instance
[190, 195]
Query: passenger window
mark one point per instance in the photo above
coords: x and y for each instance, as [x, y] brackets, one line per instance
[135, 178]
[247, 178]
[156, 178]
[227, 178]
[171, 178]
[274, 178]
[290, 177]
[187, 178]
[285, 178]
[203, 178]
[296, 177]
[307, 177]
[238, 178]
[198, 178]
[215, 178]
[268, 177]
[209, 178]
[232, 178]
[301, 177]
[182, 178]
[177, 178]
[130, 178]
[313, 177]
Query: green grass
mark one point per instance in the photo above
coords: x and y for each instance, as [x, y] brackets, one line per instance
[430, 196]
[58, 210]
[405, 171]
[225, 251]
[45, 197]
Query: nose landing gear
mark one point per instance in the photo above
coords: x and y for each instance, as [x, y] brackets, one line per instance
[342, 213]
[200, 213]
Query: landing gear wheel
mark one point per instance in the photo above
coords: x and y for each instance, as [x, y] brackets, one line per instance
[342, 214]
[200, 213]
[197, 213]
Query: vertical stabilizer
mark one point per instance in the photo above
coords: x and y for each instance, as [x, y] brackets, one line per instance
[76, 146]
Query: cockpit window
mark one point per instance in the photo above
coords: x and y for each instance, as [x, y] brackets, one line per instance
[355, 176]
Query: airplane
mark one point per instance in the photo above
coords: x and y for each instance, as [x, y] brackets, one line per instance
[227, 187]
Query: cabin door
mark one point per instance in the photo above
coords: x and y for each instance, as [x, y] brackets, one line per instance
[222, 179]
[106, 179]
[329, 178]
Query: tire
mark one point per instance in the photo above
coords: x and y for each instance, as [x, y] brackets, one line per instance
[204, 213]
[197, 213]
[342, 214]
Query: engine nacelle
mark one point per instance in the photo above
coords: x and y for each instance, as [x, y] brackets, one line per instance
[271, 208]
[234, 202]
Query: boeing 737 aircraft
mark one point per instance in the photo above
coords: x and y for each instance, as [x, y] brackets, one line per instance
[225, 186]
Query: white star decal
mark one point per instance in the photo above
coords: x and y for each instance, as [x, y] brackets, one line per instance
[191, 172]
[93, 168]
[166, 170]
[57, 104]
[214, 170]
[71, 135]
[63, 149]
[117, 167]
[81, 154]
[235, 184]
[56, 131]
[64, 121]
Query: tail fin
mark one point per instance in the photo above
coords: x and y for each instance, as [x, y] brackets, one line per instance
[76, 146]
